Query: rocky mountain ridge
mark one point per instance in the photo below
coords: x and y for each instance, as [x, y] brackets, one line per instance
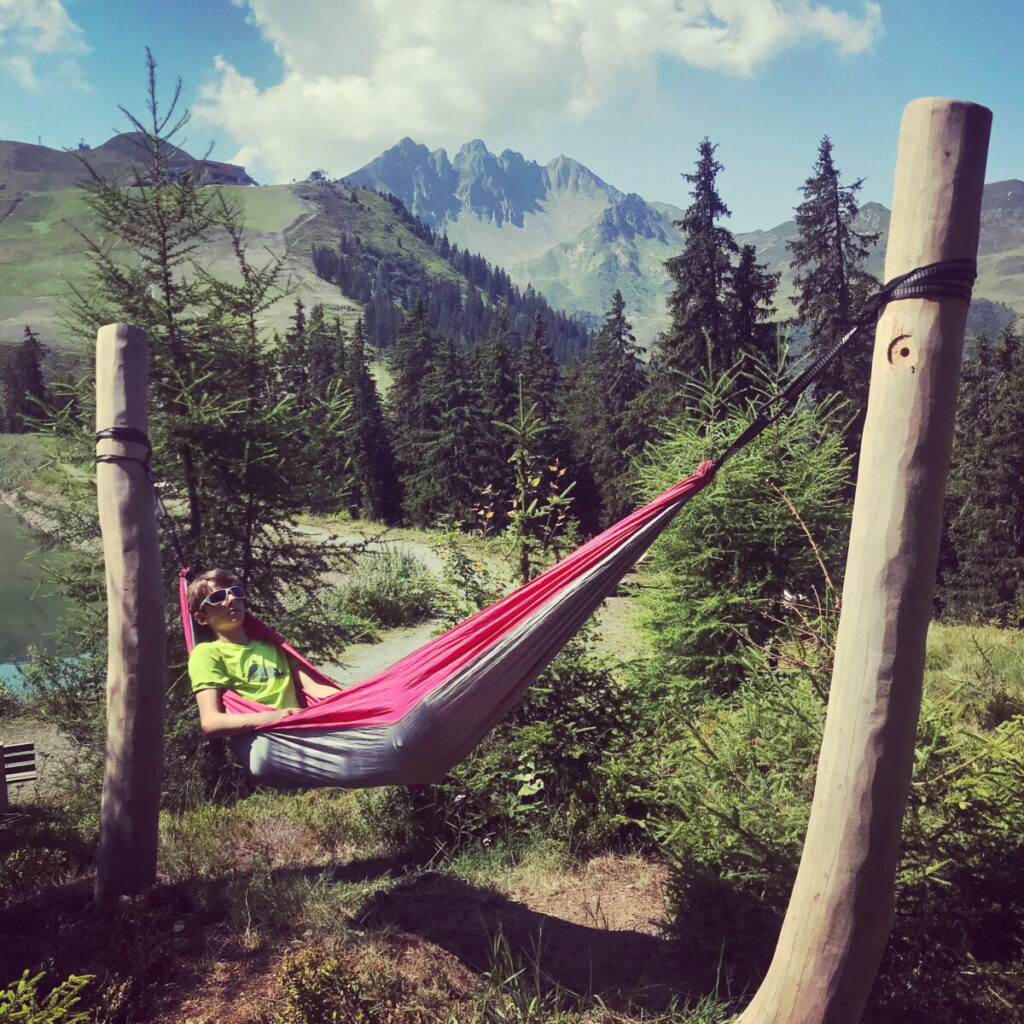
[577, 238]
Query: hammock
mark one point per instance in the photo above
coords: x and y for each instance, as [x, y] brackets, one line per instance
[409, 724]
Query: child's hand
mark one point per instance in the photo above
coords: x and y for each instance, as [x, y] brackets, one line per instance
[276, 716]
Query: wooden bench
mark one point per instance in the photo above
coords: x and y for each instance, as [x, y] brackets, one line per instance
[19, 763]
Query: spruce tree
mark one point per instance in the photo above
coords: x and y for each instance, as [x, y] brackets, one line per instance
[539, 373]
[736, 568]
[23, 391]
[751, 313]
[292, 355]
[417, 398]
[699, 334]
[606, 427]
[241, 460]
[982, 576]
[831, 282]
[410, 360]
[374, 491]
[441, 485]
[235, 460]
[494, 372]
[325, 348]
[540, 392]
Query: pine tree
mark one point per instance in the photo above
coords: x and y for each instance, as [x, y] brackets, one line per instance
[736, 567]
[23, 391]
[540, 498]
[699, 332]
[751, 312]
[831, 283]
[374, 492]
[238, 461]
[983, 558]
[410, 360]
[292, 355]
[325, 349]
[539, 374]
[441, 485]
[602, 413]
[493, 369]
[243, 460]
[413, 404]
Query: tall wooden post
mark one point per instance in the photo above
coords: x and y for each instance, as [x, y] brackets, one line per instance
[129, 815]
[840, 912]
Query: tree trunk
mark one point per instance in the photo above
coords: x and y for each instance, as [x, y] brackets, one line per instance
[129, 815]
[840, 912]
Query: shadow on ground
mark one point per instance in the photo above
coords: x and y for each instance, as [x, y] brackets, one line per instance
[625, 969]
[164, 947]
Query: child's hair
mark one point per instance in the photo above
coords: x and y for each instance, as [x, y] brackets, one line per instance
[206, 584]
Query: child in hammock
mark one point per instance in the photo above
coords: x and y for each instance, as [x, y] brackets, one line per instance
[256, 669]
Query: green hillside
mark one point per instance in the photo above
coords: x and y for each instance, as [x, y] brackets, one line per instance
[42, 253]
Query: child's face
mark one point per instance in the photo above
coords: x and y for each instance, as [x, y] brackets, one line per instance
[224, 617]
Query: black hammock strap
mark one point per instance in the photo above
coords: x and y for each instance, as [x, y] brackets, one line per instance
[945, 279]
[133, 436]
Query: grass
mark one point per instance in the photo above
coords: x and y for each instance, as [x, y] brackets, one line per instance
[978, 668]
[268, 209]
[22, 458]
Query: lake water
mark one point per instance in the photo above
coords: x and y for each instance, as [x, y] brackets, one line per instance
[29, 610]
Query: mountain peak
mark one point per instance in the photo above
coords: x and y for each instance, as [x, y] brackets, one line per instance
[565, 173]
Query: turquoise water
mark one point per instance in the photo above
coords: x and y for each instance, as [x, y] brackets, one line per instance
[29, 610]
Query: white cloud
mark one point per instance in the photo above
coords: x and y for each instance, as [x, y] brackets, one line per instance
[360, 75]
[39, 43]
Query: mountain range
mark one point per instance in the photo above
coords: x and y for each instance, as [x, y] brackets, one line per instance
[576, 238]
[559, 227]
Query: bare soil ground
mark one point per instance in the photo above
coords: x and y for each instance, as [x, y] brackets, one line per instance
[594, 931]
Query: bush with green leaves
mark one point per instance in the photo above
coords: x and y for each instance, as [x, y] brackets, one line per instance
[21, 1003]
[733, 782]
[39, 849]
[387, 588]
[321, 989]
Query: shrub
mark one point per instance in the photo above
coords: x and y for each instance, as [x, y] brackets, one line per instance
[321, 989]
[39, 849]
[20, 1002]
[548, 769]
[387, 589]
[734, 783]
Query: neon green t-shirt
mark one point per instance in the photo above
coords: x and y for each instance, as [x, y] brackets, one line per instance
[257, 670]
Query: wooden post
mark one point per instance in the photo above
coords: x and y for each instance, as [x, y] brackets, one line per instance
[840, 912]
[129, 816]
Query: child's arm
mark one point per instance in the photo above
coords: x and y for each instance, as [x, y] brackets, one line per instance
[310, 687]
[215, 721]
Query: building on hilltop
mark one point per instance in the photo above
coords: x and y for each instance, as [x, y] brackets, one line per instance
[210, 172]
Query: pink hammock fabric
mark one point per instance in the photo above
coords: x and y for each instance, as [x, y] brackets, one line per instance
[411, 722]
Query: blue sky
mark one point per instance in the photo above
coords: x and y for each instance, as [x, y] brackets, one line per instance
[627, 87]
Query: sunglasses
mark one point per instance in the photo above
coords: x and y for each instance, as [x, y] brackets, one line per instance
[220, 596]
